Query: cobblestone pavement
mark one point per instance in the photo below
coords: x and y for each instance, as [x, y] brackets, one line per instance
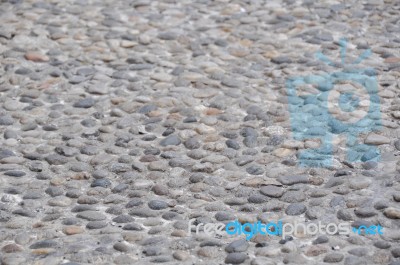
[122, 120]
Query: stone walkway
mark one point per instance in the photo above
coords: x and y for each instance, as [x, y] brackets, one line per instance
[122, 120]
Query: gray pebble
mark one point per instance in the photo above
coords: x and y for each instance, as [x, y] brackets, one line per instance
[170, 140]
[85, 103]
[157, 205]
[296, 209]
[239, 245]
[236, 258]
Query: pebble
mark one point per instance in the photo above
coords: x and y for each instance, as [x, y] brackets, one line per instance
[333, 258]
[85, 103]
[48, 243]
[170, 140]
[376, 139]
[236, 258]
[240, 245]
[36, 57]
[158, 205]
[272, 191]
[296, 209]
[91, 216]
[291, 180]
[117, 135]
[122, 247]
[392, 213]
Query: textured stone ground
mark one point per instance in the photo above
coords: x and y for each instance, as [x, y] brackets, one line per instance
[122, 120]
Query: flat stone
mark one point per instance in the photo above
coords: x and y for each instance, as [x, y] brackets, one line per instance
[170, 140]
[392, 213]
[73, 230]
[239, 245]
[272, 191]
[91, 216]
[291, 180]
[36, 57]
[236, 258]
[85, 103]
[333, 258]
[48, 243]
[96, 225]
[157, 204]
[296, 209]
[376, 139]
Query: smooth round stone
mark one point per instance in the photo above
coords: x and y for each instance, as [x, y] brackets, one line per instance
[103, 182]
[392, 213]
[192, 143]
[236, 258]
[396, 252]
[255, 170]
[99, 174]
[293, 196]
[122, 247]
[15, 173]
[239, 245]
[157, 205]
[160, 189]
[11, 248]
[294, 179]
[54, 191]
[397, 145]
[296, 209]
[120, 188]
[333, 258]
[258, 198]
[232, 144]
[133, 227]
[382, 244]
[224, 216]
[6, 120]
[321, 240]
[344, 214]
[96, 225]
[91, 215]
[84, 103]
[272, 191]
[71, 221]
[48, 243]
[123, 219]
[170, 140]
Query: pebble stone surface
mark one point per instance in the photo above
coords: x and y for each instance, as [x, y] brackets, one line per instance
[122, 120]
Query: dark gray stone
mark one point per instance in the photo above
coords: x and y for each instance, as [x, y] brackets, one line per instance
[240, 245]
[105, 183]
[48, 243]
[236, 258]
[96, 224]
[85, 103]
[170, 140]
[255, 170]
[296, 209]
[291, 180]
[272, 191]
[192, 143]
[54, 191]
[91, 216]
[157, 205]
[15, 173]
